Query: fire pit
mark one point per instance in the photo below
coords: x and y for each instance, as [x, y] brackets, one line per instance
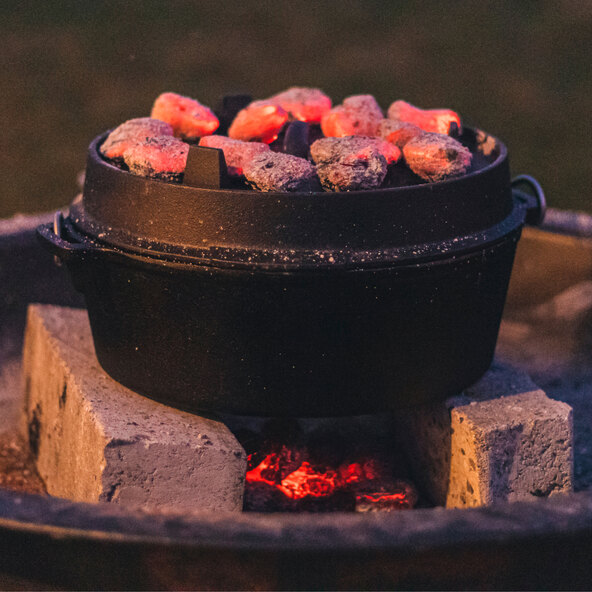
[294, 304]
[542, 544]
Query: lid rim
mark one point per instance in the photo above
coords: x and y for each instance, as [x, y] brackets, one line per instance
[120, 208]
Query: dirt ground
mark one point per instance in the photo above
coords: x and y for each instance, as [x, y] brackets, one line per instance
[17, 469]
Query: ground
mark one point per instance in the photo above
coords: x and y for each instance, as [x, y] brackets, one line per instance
[17, 470]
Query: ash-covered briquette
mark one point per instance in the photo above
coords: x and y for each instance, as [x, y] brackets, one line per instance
[160, 158]
[303, 104]
[133, 132]
[358, 115]
[236, 152]
[391, 152]
[288, 122]
[353, 162]
[274, 171]
[429, 120]
[189, 118]
[350, 145]
[435, 157]
[260, 121]
[398, 132]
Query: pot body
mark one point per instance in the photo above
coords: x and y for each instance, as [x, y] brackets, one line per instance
[294, 304]
[302, 343]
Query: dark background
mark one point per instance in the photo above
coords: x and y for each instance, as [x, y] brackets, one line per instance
[518, 69]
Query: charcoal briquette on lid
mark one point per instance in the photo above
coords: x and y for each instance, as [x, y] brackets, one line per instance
[273, 171]
[353, 162]
[131, 132]
[435, 157]
[161, 158]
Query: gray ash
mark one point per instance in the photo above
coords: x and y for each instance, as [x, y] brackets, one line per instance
[274, 171]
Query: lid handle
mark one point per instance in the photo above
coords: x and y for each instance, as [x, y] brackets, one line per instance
[206, 167]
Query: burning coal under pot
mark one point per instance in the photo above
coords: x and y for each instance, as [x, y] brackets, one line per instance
[301, 304]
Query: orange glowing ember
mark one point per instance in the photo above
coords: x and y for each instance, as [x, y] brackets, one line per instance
[189, 118]
[402, 499]
[306, 481]
[358, 115]
[382, 497]
[299, 483]
[260, 121]
[236, 152]
[359, 472]
[429, 120]
[303, 104]
[301, 480]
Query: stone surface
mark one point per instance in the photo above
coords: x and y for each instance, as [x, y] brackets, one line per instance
[95, 440]
[502, 440]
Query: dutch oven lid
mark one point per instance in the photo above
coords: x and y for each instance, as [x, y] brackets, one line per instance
[245, 227]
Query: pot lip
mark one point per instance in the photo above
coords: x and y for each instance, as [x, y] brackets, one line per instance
[481, 138]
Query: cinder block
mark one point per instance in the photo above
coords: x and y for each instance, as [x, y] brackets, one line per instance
[95, 440]
[502, 440]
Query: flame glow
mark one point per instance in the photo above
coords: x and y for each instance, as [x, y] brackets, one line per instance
[301, 480]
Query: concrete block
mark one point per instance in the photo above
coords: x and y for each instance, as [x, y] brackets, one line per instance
[95, 440]
[501, 440]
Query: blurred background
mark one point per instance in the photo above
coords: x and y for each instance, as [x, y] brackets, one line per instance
[518, 69]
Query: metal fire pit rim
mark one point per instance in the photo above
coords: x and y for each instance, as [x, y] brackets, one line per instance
[559, 560]
[408, 531]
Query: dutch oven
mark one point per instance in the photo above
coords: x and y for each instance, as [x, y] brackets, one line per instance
[303, 304]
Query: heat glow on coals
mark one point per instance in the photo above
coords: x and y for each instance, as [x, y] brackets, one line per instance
[301, 480]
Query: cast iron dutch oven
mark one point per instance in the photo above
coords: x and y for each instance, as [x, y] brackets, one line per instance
[316, 304]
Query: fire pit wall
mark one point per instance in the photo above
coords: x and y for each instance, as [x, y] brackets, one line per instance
[95, 440]
[27, 274]
[537, 545]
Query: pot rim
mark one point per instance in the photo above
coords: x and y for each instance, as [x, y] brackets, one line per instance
[245, 228]
[288, 261]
